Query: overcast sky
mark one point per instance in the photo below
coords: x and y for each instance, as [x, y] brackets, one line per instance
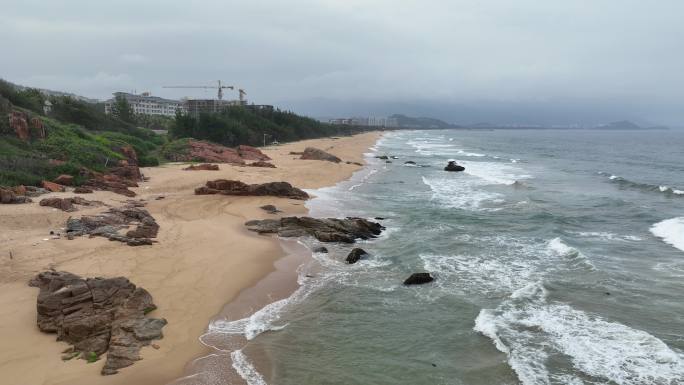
[340, 55]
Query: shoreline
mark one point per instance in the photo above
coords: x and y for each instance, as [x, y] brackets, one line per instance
[204, 259]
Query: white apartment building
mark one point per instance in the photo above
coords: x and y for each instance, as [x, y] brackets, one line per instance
[146, 104]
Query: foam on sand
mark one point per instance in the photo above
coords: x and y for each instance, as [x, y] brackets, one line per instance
[245, 369]
[671, 231]
[533, 332]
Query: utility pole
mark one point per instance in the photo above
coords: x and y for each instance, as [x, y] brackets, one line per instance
[265, 135]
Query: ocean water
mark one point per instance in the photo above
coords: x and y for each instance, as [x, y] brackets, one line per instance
[558, 258]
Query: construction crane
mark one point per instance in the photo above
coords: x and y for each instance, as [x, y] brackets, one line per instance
[242, 96]
[220, 88]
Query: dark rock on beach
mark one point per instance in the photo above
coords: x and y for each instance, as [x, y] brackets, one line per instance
[346, 230]
[234, 187]
[97, 315]
[271, 209]
[418, 279]
[317, 154]
[320, 249]
[355, 255]
[111, 222]
[452, 166]
[202, 167]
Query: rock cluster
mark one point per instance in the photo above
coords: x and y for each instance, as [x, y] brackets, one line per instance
[311, 153]
[8, 196]
[26, 128]
[346, 230]
[111, 222]
[67, 204]
[202, 167]
[97, 315]
[234, 187]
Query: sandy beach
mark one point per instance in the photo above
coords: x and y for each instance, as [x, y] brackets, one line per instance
[203, 259]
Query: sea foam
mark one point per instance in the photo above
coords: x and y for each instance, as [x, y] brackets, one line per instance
[533, 332]
[671, 231]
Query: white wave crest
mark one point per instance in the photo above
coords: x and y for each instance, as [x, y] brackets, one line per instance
[530, 331]
[671, 231]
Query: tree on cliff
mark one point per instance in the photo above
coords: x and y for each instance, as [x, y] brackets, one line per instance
[122, 110]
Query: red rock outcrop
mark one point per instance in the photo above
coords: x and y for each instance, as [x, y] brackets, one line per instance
[53, 187]
[97, 315]
[251, 153]
[210, 152]
[67, 204]
[38, 128]
[18, 121]
[234, 187]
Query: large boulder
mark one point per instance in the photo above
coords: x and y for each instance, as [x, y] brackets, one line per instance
[234, 187]
[418, 279]
[97, 315]
[452, 166]
[311, 153]
[346, 230]
[355, 255]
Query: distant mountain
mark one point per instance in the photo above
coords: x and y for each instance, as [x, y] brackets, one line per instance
[404, 121]
[627, 125]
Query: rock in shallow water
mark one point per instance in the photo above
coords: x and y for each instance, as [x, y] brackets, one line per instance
[418, 279]
[355, 255]
[97, 315]
[324, 229]
[452, 166]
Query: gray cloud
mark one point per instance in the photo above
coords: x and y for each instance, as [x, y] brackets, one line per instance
[602, 55]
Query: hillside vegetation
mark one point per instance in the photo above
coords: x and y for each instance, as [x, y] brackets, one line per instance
[78, 135]
[244, 125]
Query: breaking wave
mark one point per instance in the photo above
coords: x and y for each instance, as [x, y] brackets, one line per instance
[646, 187]
[671, 231]
[537, 335]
